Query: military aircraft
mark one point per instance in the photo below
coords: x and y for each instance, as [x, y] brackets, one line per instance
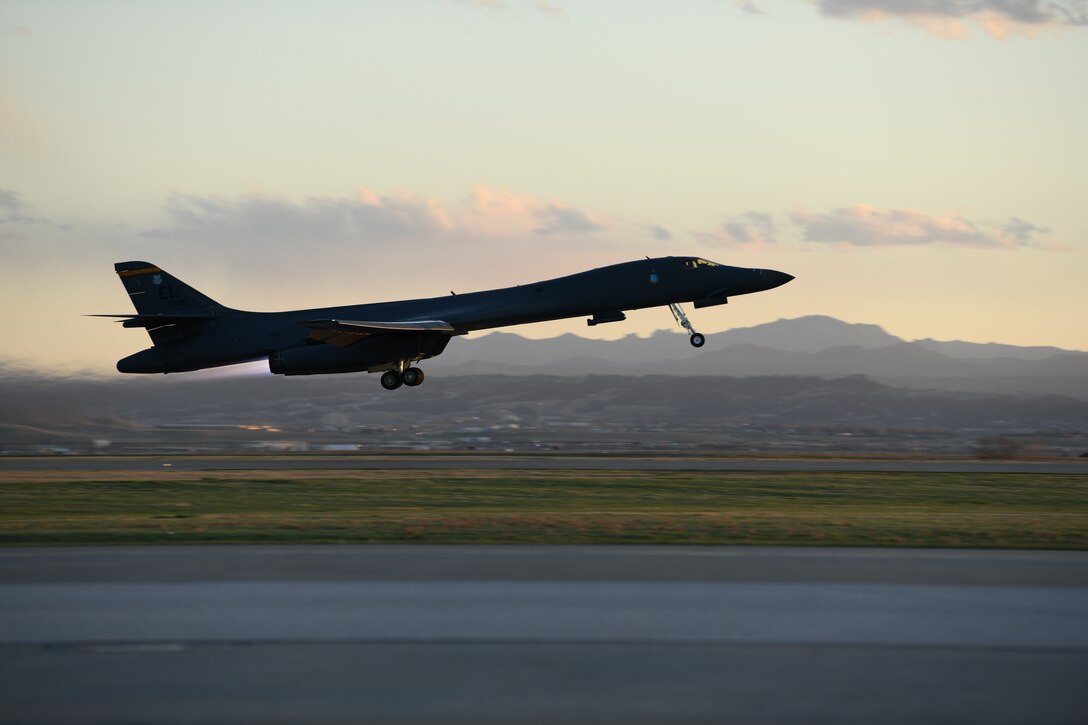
[191, 331]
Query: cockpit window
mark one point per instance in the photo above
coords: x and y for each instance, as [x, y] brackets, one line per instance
[697, 263]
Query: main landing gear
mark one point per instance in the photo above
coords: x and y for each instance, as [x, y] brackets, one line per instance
[393, 379]
[697, 339]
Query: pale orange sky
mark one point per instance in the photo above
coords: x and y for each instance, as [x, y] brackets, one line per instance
[921, 173]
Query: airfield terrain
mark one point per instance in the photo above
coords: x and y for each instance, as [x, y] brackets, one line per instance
[542, 634]
[574, 628]
[554, 499]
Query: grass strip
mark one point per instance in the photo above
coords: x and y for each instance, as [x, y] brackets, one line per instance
[554, 507]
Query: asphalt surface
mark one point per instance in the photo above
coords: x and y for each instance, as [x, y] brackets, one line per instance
[502, 634]
[544, 462]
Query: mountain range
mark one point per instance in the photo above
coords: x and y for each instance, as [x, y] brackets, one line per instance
[814, 345]
[804, 382]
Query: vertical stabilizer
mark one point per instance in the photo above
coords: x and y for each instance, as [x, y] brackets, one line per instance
[155, 292]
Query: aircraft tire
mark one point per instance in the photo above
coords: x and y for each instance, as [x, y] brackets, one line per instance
[697, 340]
[391, 380]
[413, 377]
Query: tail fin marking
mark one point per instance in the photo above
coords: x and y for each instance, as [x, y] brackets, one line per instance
[155, 292]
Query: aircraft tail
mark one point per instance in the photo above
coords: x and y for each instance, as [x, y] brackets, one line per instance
[166, 307]
[155, 292]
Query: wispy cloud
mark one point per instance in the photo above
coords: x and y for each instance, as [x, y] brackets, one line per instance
[549, 8]
[488, 4]
[750, 230]
[563, 220]
[950, 18]
[371, 218]
[863, 225]
[750, 7]
[363, 235]
[366, 217]
[659, 232]
[546, 7]
[15, 215]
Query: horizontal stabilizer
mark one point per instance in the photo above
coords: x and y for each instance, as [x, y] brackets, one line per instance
[343, 333]
[151, 321]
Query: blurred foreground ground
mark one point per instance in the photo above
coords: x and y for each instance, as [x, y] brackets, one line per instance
[542, 634]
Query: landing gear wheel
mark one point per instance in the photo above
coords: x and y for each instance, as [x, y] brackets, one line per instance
[413, 377]
[391, 380]
[697, 339]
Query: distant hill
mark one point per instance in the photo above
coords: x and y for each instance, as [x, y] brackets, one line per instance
[808, 334]
[812, 345]
[957, 348]
[804, 334]
[520, 412]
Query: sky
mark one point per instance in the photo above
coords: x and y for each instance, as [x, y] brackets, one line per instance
[914, 164]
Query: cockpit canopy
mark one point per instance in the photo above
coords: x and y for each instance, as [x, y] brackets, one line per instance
[699, 263]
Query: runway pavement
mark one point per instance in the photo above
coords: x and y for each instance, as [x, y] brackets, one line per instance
[520, 633]
[532, 462]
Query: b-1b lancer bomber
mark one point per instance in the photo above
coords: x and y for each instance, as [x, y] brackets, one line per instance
[191, 331]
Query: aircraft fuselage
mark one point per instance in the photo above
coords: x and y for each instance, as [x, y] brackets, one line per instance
[195, 336]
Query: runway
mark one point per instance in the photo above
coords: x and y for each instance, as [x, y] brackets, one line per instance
[501, 634]
[529, 462]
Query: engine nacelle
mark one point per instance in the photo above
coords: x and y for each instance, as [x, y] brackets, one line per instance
[366, 354]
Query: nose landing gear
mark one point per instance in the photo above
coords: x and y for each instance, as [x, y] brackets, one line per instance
[697, 339]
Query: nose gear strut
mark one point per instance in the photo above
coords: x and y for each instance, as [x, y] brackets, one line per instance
[697, 339]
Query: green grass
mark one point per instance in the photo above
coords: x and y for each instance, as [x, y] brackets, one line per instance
[558, 507]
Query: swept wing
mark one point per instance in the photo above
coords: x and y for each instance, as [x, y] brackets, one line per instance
[344, 333]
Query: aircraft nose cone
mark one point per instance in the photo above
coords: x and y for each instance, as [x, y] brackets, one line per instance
[773, 278]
